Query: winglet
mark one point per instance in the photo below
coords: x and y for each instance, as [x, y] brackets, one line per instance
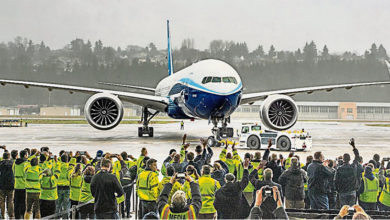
[388, 67]
[170, 63]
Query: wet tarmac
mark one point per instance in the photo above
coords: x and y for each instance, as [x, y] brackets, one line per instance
[330, 137]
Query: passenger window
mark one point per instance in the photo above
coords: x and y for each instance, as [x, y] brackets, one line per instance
[208, 79]
[216, 79]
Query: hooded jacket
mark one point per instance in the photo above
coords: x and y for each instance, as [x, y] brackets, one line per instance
[292, 181]
[229, 201]
[7, 179]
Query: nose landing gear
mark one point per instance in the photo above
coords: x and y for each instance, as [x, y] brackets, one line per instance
[219, 132]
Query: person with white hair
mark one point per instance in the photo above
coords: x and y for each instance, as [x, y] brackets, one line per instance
[179, 209]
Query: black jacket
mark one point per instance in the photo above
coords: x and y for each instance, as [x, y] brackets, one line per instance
[347, 176]
[277, 170]
[104, 186]
[318, 177]
[196, 200]
[7, 180]
[292, 181]
[229, 201]
[219, 175]
[278, 213]
[268, 204]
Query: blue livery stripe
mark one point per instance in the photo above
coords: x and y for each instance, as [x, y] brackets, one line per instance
[190, 82]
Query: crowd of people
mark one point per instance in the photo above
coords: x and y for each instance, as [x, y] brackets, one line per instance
[35, 183]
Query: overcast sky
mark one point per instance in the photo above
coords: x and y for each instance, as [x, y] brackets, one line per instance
[343, 25]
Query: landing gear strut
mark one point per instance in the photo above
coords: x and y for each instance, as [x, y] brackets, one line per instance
[145, 118]
[219, 132]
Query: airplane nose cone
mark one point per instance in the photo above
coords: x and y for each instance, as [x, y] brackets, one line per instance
[210, 105]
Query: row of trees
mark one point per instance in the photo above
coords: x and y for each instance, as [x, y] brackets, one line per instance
[85, 63]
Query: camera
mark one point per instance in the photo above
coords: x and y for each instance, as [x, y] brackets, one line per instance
[386, 159]
[351, 210]
[82, 152]
[181, 175]
[51, 157]
[44, 149]
[267, 191]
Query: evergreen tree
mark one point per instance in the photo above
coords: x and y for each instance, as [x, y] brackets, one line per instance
[271, 52]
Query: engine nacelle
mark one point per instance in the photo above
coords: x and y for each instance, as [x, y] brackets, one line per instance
[103, 111]
[279, 112]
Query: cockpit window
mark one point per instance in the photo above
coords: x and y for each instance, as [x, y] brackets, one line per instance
[229, 79]
[226, 79]
[206, 79]
[216, 79]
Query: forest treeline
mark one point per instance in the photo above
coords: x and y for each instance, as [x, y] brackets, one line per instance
[85, 63]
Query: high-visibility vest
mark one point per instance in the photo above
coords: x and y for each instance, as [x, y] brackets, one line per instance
[259, 171]
[208, 187]
[140, 163]
[371, 189]
[168, 214]
[20, 174]
[63, 179]
[384, 198]
[32, 179]
[147, 185]
[288, 163]
[249, 187]
[75, 187]
[48, 188]
[85, 194]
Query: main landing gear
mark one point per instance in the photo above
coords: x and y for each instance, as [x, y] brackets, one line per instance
[145, 118]
[219, 132]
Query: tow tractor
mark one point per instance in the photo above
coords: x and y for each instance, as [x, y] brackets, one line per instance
[254, 137]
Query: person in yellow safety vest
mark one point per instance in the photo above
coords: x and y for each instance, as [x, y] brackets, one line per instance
[369, 189]
[179, 209]
[63, 190]
[176, 186]
[208, 187]
[255, 163]
[19, 169]
[309, 160]
[384, 196]
[147, 188]
[140, 160]
[49, 195]
[248, 191]
[191, 171]
[33, 189]
[163, 167]
[87, 211]
[129, 161]
[228, 158]
[287, 163]
[75, 179]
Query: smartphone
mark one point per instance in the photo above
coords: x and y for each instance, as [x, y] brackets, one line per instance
[181, 175]
[82, 152]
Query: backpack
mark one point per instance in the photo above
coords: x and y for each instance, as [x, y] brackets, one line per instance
[127, 175]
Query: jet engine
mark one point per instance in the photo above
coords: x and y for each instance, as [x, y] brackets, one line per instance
[279, 112]
[103, 111]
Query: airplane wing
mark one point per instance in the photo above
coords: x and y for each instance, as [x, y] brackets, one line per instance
[150, 101]
[129, 86]
[252, 97]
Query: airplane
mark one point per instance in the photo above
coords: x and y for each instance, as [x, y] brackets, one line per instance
[208, 89]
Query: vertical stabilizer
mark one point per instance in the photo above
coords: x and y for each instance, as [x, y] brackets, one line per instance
[170, 62]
